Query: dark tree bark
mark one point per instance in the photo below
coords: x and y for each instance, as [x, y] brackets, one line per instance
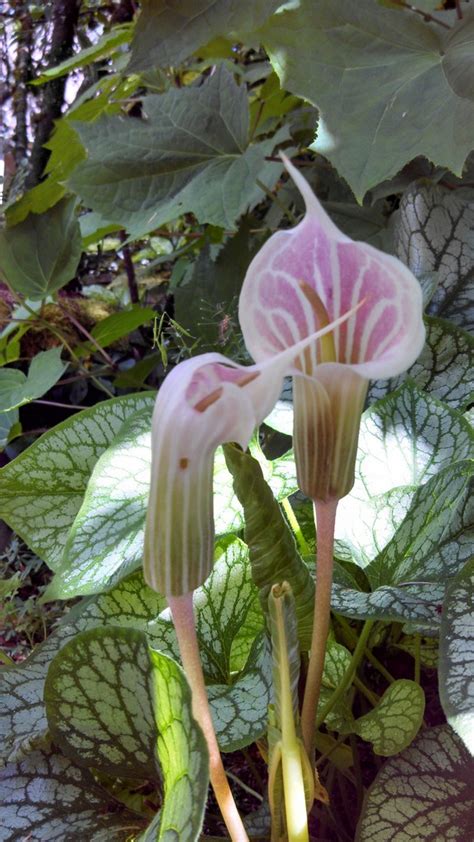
[22, 73]
[64, 19]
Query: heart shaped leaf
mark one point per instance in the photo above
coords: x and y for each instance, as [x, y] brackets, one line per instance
[394, 723]
[424, 793]
[98, 697]
[45, 796]
[43, 488]
[40, 254]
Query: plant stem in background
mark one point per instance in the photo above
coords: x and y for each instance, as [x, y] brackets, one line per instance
[349, 674]
[325, 516]
[129, 269]
[184, 623]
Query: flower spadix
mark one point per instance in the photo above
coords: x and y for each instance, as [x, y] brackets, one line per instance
[204, 402]
[303, 279]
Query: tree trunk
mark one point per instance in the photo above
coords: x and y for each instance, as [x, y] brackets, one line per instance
[22, 74]
[64, 17]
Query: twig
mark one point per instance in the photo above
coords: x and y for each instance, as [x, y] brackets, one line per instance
[88, 335]
[244, 786]
[129, 269]
[271, 195]
[427, 17]
[60, 405]
[458, 9]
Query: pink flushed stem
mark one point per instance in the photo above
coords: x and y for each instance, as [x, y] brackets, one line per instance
[184, 623]
[325, 517]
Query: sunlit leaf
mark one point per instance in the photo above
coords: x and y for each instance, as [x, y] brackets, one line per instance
[131, 604]
[43, 488]
[107, 44]
[442, 369]
[456, 655]
[425, 793]
[394, 723]
[182, 753]
[98, 698]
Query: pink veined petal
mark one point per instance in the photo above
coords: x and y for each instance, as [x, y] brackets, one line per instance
[382, 339]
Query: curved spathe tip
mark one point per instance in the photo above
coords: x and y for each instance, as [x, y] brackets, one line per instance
[314, 207]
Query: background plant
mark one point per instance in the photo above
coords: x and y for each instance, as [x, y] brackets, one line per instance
[115, 270]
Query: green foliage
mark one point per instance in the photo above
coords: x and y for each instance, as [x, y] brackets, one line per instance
[98, 696]
[273, 553]
[190, 161]
[174, 134]
[182, 753]
[44, 792]
[426, 790]
[40, 254]
[17, 389]
[166, 35]
[456, 667]
[365, 67]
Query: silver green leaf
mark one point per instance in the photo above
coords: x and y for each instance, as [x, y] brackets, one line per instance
[406, 438]
[456, 655]
[442, 369]
[195, 157]
[132, 604]
[395, 721]
[17, 388]
[40, 254]
[47, 797]
[106, 539]
[428, 545]
[235, 654]
[425, 793]
[363, 66]
[182, 753]
[434, 233]
[336, 663]
[98, 697]
[166, 34]
[43, 488]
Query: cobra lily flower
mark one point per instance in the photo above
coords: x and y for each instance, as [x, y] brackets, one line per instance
[204, 402]
[301, 280]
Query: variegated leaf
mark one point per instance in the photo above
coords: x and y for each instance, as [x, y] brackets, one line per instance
[43, 488]
[456, 655]
[98, 696]
[425, 793]
[434, 233]
[47, 797]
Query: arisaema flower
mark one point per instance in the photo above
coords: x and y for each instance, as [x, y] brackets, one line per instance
[204, 402]
[301, 280]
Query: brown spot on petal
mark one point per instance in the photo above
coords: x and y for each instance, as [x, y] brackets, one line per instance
[211, 398]
[247, 378]
[183, 463]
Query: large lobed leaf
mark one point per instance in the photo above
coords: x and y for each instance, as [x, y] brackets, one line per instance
[365, 67]
[166, 34]
[194, 157]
